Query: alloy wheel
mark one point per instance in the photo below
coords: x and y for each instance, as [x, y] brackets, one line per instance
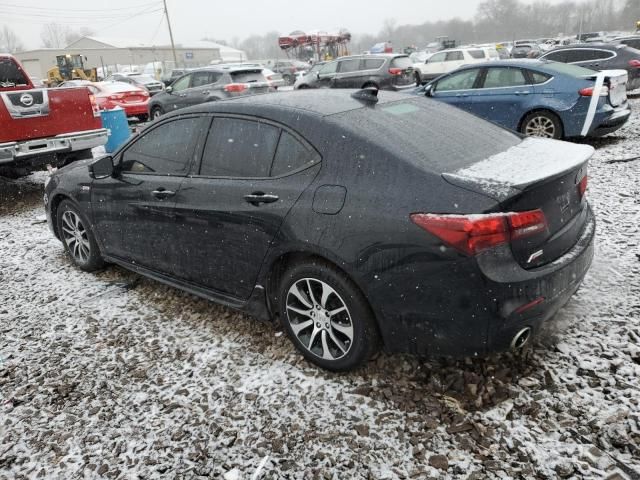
[75, 236]
[319, 318]
[540, 126]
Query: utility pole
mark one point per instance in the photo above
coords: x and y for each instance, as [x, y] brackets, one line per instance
[173, 46]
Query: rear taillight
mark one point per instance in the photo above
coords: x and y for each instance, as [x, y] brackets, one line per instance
[235, 87]
[395, 71]
[634, 63]
[94, 105]
[588, 92]
[582, 186]
[472, 234]
[116, 96]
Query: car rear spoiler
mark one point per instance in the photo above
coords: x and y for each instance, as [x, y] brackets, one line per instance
[510, 172]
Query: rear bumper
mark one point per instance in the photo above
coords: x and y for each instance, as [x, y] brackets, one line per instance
[611, 122]
[133, 109]
[470, 306]
[16, 152]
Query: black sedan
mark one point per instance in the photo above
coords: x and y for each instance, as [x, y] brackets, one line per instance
[333, 212]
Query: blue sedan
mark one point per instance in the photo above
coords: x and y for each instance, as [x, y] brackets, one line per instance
[536, 97]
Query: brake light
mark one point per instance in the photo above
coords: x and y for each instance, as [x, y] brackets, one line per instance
[634, 63]
[116, 96]
[588, 91]
[94, 105]
[395, 71]
[582, 186]
[235, 87]
[472, 234]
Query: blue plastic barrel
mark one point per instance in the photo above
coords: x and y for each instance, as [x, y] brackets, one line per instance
[116, 121]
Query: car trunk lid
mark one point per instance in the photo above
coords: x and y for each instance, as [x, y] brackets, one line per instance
[537, 174]
[253, 80]
[401, 69]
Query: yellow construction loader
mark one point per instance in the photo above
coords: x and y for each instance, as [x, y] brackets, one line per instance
[70, 67]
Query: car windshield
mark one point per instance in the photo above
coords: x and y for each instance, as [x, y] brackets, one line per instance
[10, 74]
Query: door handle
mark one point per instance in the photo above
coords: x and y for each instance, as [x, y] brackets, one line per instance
[206, 92]
[524, 92]
[183, 95]
[256, 198]
[161, 193]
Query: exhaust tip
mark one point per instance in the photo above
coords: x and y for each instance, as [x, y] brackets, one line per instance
[521, 338]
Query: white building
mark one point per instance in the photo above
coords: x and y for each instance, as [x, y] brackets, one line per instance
[116, 54]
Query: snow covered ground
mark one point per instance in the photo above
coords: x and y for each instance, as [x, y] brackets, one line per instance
[111, 376]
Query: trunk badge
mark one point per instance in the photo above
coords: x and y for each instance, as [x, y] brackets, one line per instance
[535, 256]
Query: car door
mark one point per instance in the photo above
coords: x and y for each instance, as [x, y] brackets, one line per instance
[200, 87]
[327, 75]
[177, 98]
[434, 66]
[133, 211]
[457, 88]
[454, 60]
[228, 212]
[503, 95]
[349, 74]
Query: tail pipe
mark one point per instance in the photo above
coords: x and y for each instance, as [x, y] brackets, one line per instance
[521, 338]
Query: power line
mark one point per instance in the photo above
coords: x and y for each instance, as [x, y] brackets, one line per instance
[96, 10]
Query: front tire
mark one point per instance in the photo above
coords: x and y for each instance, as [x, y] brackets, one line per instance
[326, 316]
[543, 124]
[77, 237]
[156, 112]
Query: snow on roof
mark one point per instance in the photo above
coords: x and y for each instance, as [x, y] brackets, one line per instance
[118, 42]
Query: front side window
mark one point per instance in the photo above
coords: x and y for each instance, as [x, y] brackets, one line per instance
[239, 148]
[329, 68]
[291, 155]
[504, 77]
[166, 150]
[438, 57]
[458, 81]
[182, 83]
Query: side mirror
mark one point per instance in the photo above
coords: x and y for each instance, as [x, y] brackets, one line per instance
[318, 75]
[101, 168]
[169, 89]
[428, 91]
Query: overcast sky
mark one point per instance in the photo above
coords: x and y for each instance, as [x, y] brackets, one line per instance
[193, 19]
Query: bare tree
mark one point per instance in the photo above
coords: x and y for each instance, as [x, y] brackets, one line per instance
[9, 42]
[54, 35]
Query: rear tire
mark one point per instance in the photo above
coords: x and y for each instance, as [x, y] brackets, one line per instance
[542, 123]
[77, 237]
[326, 316]
[418, 78]
[143, 118]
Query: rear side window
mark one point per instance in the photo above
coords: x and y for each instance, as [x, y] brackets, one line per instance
[291, 155]
[458, 81]
[586, 54]
[454, 56]
[401, 62]
[239, 148]
[476, 53]
[504, 77]
[372, 64]
[165, 150]
[200, 79]
[10, 74]
[248, 77]
[538, 77]
[351, 65]
[559, 56]
[633, 43]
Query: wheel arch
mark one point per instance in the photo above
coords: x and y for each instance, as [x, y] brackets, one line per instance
[57, 199]
[279, 265]
[370, 83]
[541, 109]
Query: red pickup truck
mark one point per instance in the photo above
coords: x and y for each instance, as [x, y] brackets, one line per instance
[43, 126]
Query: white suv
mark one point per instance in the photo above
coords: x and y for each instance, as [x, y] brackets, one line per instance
[449, 60]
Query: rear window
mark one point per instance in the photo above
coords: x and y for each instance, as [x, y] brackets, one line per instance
[449, 139]
[253, 76]
[401, 62]
[569, 69]
[10, 75]
[476, 53]
[144, 79]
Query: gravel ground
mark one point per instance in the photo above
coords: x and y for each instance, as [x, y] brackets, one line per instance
[112, 376]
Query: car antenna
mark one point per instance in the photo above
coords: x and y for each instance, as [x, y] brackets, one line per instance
[369, 95]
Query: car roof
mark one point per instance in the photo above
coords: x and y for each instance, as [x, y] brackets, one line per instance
[322, 102]
[600, 45]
